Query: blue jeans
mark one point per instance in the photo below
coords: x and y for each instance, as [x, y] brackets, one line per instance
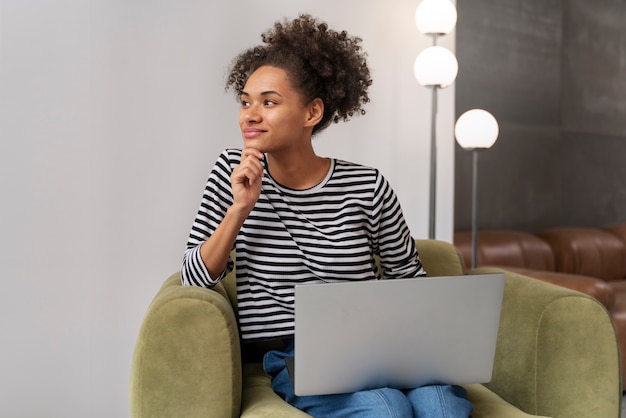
[440, 401]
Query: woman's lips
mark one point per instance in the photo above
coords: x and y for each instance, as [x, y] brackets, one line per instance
[251, 133]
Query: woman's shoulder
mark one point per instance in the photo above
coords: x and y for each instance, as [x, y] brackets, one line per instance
[350, 165]
[355, 169]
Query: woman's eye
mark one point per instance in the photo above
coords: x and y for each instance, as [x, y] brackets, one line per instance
[270, 102]
[245, 103]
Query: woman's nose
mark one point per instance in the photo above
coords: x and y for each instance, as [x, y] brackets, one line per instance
[250, 114]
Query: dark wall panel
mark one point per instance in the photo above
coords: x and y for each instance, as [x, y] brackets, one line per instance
[508, 53]
[594, 67]
[518, 181]
[553, 74]
[594, 182]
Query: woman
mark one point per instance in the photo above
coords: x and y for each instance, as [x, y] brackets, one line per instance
[295, 217]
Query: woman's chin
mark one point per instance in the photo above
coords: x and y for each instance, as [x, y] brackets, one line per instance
[255, 144]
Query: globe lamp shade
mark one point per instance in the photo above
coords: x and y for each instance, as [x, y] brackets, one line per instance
[476, 129]
[435, 66]
[435, 17]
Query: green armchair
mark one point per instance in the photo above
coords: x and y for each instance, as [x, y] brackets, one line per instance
[557, 354]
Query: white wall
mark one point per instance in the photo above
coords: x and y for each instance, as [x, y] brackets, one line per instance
[112, 112]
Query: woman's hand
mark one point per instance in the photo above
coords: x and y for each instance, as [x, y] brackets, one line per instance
[246, 180]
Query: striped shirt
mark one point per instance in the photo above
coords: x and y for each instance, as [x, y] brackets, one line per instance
[328, 233]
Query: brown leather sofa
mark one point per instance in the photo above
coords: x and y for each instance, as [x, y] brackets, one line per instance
[590, 260]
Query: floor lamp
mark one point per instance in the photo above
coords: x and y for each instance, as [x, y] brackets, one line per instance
[476, 130]
[435, 67]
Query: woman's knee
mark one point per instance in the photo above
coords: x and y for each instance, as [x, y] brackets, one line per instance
[387, 402]
[375, 403]
[440, 401]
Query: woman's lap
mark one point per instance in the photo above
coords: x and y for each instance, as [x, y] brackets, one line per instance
[427, 401]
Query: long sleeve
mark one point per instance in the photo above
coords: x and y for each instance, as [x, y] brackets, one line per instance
[395, 246]
[216, 199]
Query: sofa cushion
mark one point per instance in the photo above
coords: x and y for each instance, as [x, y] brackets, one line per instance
[506, 248]
[617, 229]
[587, 251]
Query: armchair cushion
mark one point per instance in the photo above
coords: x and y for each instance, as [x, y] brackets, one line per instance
[489, 405]
[259, 399]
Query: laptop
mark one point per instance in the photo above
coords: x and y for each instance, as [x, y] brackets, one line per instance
[401, 333]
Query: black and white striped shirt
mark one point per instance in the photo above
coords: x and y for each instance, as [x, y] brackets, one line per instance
[327, 233]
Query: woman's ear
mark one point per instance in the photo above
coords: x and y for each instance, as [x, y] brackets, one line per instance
[316, 112]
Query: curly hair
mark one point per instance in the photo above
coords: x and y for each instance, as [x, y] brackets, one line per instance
[320, 63]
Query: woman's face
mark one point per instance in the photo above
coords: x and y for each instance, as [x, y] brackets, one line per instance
[273, 115]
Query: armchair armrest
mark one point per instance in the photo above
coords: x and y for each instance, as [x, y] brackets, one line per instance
[557, 352]
[187, 359]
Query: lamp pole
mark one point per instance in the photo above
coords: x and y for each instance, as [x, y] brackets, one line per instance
[435, 67]
[474, 207]
[476, 130]
[432, 205]
[432, 209]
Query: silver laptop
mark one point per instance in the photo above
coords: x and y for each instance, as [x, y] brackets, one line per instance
[401, 333]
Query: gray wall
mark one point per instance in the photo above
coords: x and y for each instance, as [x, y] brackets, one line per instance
[554, 75]
[112, 113]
